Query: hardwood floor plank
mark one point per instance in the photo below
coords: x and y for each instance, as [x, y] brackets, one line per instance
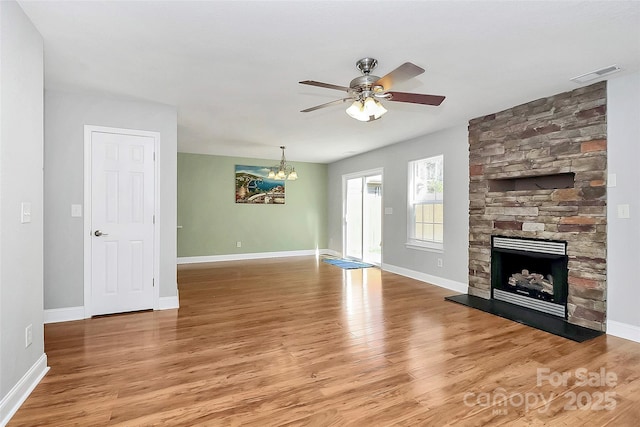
[294, 341]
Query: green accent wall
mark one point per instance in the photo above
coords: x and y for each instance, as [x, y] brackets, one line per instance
[212, 222]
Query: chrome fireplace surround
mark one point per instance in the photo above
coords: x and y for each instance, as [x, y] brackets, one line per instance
[531, 273]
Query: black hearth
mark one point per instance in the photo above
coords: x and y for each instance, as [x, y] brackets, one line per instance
[531, 273]
[536, 319]
[529, 284]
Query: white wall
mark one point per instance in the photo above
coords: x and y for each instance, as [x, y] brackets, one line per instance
[21, 271]
[623, 235]
[396, 257]
[65, 117]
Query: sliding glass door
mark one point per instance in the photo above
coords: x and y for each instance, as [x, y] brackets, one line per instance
[363, 216]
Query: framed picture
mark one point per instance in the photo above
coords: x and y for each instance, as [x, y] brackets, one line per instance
[254, 187]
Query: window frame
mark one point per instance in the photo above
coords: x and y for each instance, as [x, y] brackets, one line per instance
[412, 241]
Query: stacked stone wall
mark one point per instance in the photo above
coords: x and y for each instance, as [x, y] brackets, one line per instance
[555, 135]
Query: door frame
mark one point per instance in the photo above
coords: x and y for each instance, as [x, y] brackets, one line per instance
[88, 129]
[361, 174]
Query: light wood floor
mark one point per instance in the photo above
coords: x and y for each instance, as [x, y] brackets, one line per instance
[299, 342]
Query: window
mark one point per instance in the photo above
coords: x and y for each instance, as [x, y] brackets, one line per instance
[426, 209]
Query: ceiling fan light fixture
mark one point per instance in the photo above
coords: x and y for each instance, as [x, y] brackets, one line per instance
[366, 111]
[366, 89]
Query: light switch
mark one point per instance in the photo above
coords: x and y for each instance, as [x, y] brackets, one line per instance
[76, 211]
[388, 211]
[623, 211]
[612, 180]
[25, 212]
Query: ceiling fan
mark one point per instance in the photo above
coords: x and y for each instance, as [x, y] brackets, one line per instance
[366, 90]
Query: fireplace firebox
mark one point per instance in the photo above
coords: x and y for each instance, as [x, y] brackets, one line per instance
[531, 273]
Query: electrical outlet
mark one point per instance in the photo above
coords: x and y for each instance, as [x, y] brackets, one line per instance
[439, 262]
[238, 244]
[28, 336]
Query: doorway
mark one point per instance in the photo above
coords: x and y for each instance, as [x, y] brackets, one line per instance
[121, 231]
[362, 228]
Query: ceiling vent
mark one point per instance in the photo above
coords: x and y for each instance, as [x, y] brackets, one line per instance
[596, 74]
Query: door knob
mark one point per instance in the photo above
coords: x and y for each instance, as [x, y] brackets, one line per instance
[99, 233]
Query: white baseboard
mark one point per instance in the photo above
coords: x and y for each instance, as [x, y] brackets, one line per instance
[19, 393]
[168, 303]
[428, 278]
[623, 330]
[69, 314]
[66, 314]
[331, 252]
[257, 255]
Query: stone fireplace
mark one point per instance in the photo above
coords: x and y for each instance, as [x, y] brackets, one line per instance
[538, 172]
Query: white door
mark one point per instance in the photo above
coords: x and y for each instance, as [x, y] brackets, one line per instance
[122, 222]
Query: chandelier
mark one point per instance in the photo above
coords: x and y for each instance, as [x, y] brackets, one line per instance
[283, 171]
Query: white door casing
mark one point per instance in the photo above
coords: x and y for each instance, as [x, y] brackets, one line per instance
[357, 224]
[121, 205]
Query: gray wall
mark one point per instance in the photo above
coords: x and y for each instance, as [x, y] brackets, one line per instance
[212, 222]
[623, 235]
[21, 137]
[65, 117]
[453, 143]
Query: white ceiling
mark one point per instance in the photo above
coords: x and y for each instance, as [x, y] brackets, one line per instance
[232, 67]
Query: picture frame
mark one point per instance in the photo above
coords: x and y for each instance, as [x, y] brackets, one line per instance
[254, 187]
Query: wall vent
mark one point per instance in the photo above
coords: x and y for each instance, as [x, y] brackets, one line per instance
[584, 78]
[531, 245]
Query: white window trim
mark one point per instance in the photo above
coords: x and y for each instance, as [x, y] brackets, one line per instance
[425, 246]
[411, 243]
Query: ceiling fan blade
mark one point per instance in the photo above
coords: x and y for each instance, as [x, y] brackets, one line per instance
[328, 104]
[325, 85]
[416, 98]
[403, 73]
